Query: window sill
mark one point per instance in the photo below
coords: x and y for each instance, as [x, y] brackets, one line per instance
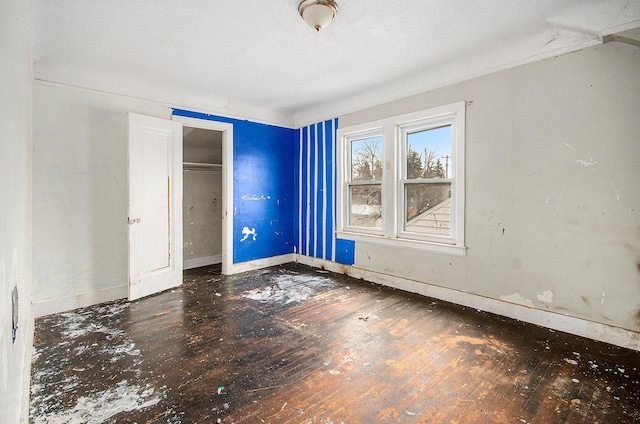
[405, 243]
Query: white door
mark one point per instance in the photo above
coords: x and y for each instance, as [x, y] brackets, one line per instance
[155, 205]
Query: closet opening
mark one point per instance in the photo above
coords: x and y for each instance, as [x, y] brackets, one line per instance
[202, 197]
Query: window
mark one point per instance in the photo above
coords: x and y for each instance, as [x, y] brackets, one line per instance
[402, 180]
[364, 182]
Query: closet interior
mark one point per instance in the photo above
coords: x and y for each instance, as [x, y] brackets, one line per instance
[202, 197]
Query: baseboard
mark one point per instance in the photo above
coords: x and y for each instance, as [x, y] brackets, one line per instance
[204, 261]
[568, 324]
[114, 293]
[26, 373]
[79, 301]
[262, 263]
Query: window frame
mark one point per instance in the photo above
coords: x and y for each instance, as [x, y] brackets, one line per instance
[348, 182]
[394, 152]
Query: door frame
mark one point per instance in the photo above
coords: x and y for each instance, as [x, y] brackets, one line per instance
[227, 182]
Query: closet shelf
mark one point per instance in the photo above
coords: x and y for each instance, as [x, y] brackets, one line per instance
[201, 165]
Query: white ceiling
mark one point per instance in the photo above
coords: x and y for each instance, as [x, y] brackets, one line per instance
[258, 59]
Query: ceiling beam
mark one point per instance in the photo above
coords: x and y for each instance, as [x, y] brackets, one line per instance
[620, 39]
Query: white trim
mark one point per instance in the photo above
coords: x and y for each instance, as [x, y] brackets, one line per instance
[430, 246]
[204, 261]
[263, 263]
[452, 116]
[76, 301]
[392, 130]
[618, 28]
[577, 326]
[390, 176]
[26, 372]
[595, 33]
[227, 181]
[333, 188]
[345, 169]
[242, 112]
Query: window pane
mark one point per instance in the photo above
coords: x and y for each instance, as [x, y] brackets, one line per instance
[429, 153]
[366, 206]
[428, 208]
[366, 159]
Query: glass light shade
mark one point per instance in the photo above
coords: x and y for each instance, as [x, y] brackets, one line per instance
[318, 13]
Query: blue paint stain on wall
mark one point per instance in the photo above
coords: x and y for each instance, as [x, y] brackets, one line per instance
[345, 251]
[264, 188]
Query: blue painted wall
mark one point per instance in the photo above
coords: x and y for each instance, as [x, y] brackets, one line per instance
[345, 251]
[264, 187]
[283, 189]
[316, 191]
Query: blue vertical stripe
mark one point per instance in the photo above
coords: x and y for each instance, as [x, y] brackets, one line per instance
[324, 191]
[308, 203]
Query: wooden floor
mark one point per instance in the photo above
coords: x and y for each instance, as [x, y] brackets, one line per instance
[294, 345]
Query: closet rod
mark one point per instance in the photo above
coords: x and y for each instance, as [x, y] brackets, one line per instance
[201, 170]
[201, 165]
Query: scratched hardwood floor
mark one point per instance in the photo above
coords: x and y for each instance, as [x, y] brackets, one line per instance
[293, 345]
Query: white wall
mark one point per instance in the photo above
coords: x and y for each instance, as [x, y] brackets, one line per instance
[202, 215]
[552, 199]
[80, 195]
[15, 204]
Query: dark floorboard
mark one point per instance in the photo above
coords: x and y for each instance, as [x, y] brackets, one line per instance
[291, 344]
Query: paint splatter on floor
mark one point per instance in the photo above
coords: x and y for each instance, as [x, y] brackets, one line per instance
[112, 356]
[313, 347]
[286, 287]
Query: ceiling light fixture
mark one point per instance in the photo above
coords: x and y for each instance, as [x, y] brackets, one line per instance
[318, 13]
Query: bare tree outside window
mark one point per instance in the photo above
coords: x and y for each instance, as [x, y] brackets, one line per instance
[366, 199]
[423, 199]
[426, 165]
[366, 159]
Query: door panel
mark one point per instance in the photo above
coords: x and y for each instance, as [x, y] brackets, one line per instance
[155, 205]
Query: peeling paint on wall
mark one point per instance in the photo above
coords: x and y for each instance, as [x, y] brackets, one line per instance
[546, 296]
[518, 299]
[255, 197]
[248, 232]
[586, 162]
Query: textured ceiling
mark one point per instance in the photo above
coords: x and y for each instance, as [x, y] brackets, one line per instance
[258, 59]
